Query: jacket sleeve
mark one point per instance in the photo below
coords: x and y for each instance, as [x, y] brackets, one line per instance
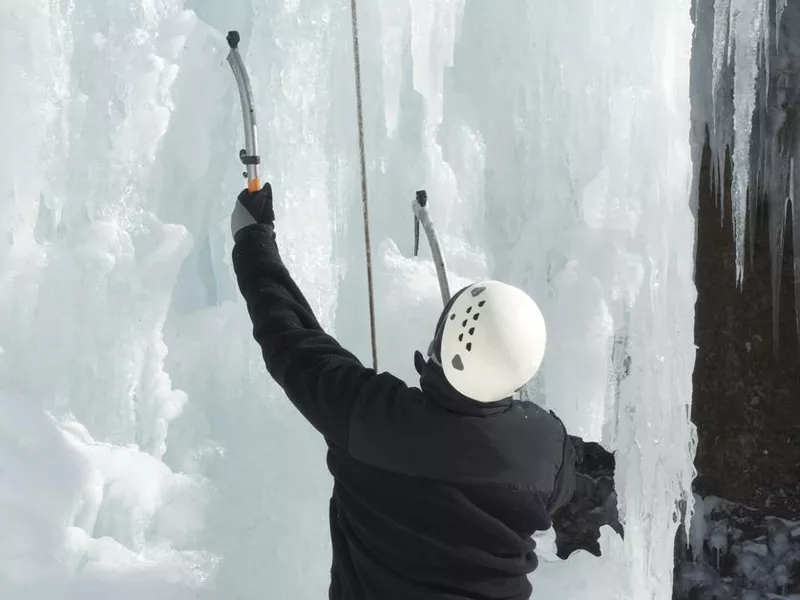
[322, 379]
[564, 487]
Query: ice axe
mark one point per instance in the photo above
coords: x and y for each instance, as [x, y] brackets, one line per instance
[249, 155]
[421, 216]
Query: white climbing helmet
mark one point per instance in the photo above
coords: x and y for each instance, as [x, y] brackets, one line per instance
[491, 341]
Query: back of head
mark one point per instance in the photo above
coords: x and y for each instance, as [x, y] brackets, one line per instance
[490, 340]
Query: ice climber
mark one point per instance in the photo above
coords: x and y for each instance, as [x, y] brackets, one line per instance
[437, 489]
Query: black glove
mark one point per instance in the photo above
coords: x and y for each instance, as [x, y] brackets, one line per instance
[592, 459]
[594, 503]
[252, 208]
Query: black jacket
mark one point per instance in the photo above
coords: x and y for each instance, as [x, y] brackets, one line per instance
[435, 496]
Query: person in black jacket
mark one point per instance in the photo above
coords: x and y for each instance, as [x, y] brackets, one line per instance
[437, 489]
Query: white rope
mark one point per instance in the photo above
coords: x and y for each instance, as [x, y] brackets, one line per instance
[364, 202]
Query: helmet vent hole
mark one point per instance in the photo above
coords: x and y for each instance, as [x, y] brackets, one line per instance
[469, 346]
[461, 338]
[469, 310]
[453, 317]
[481, 303]
[472, 331]
[476, 315]
[464, 324]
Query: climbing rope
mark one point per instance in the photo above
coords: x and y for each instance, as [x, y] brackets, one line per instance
[364, 202]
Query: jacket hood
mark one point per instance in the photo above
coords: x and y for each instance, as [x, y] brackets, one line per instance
[435, 386]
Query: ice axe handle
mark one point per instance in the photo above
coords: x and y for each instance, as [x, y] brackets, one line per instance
[422, 200]
[249, 155]
[422, 217]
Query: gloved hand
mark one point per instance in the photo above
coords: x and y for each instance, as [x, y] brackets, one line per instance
[592, 459]
[577, 523]
[252, 208]
[594, 503]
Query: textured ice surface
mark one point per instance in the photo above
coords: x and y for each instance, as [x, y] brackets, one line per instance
[145, 453]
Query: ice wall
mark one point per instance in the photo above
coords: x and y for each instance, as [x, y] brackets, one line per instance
[146, 453]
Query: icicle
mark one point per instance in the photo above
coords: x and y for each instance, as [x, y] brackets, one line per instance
[780, 6]
[747, 32]
[777, 228]
[794, 186]
[757, 186]
[720, 61]
[765, 48]
[394, 18]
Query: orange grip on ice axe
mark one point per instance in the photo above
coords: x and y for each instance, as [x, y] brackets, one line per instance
[249, 155]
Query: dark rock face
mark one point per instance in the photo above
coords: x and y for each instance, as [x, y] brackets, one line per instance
[746, 398]
[746, 401]
[747, 395]
[747, 410]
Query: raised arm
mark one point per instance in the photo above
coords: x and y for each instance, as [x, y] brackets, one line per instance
[322, 379]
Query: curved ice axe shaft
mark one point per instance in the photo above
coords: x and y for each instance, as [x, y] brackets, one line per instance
[249, 156]
[421, 216]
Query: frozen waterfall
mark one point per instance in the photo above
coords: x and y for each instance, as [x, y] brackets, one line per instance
[144, 452]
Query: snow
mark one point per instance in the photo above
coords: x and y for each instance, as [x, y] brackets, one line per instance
[145, 452]
[738, 553]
